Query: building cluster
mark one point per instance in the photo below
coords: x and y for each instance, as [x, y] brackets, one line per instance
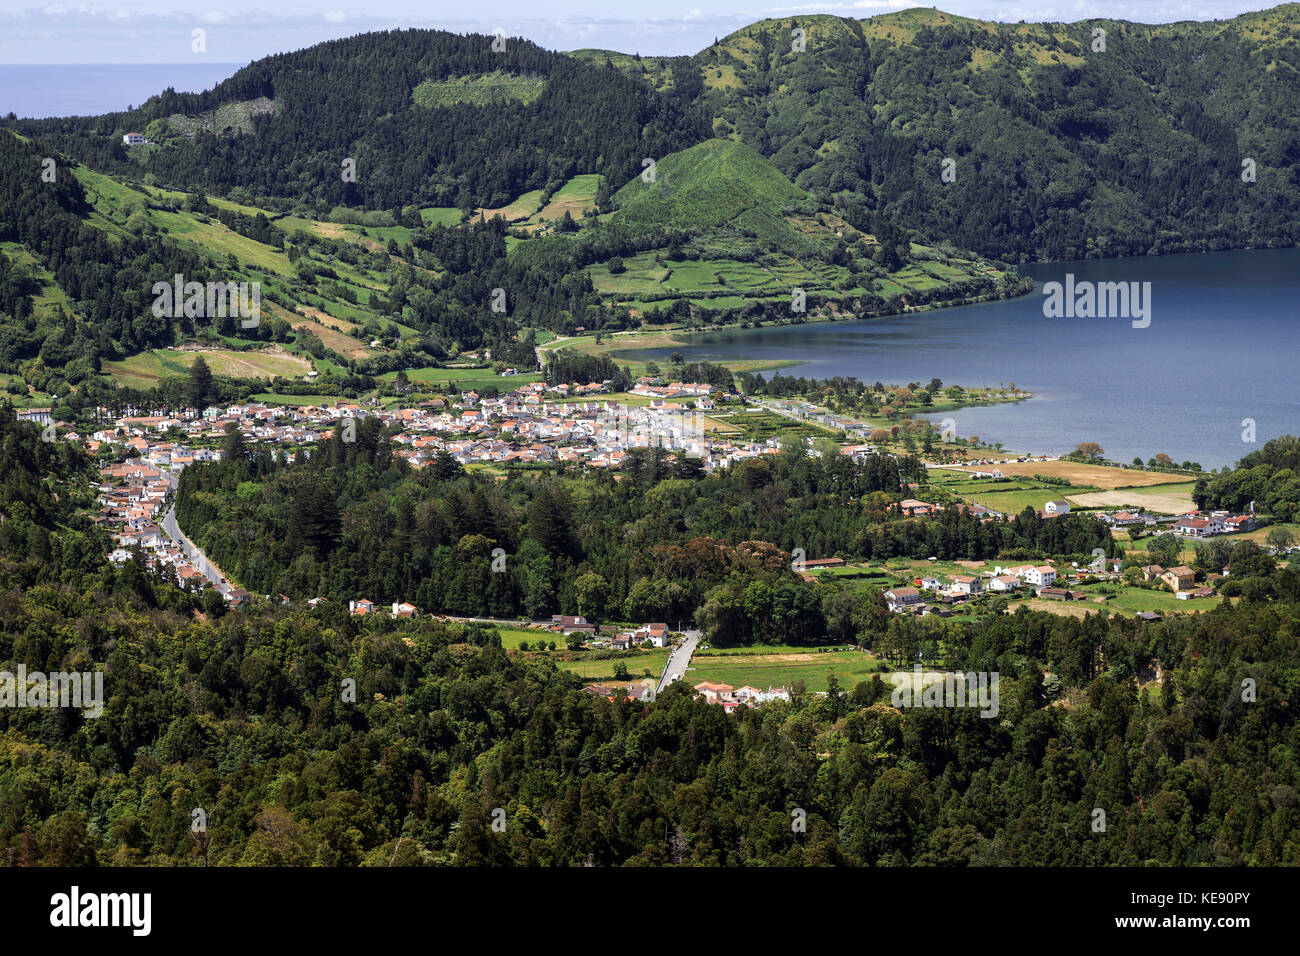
[134, 494]
[732, 697]
[1181, 580]
[1044, 580]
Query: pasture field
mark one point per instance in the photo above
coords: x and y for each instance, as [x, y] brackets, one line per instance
[1013, 502]
[147, 369]
[574, 197]
[288, 398]
[763, 670]
[467, 379]
[651, 659]
[512, 637]
[440, 216]
[1102, 477]
[1170, 499]
[526, 205]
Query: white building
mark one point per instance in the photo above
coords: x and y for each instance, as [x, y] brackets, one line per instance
[1040, 576]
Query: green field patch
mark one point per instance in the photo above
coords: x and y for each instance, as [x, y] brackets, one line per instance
[478, 90]
[147, 369]
[763, 670]
[638, 663]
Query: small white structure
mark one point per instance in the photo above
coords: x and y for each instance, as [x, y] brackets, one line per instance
[1060, 507]
[134, 139]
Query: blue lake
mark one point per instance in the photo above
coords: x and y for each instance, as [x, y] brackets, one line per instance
[1223, 345]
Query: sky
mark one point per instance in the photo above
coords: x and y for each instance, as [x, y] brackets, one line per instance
[239, 31]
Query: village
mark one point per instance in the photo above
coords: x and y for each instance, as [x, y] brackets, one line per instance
[143, 452]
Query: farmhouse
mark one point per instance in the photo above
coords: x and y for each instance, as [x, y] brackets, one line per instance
[1191, 526]
[1041, 576]
[654, 634]
[1180, 578]
[714, 693]
[1004, 582]
[818, 563]
[570, 624]
[963, 584]
[902, 597]
[41, 416]
[1059, 507]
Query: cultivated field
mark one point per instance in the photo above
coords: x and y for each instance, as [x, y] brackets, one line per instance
[850, 667]
[147, 369]
[1173, 499]
[1078, 473]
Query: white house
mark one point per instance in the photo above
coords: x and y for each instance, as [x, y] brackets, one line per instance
[654, 634]
[1040, 576]
[1060, 507]
[133, 139]
[1004, 582]
[902, 597]
[963, 584]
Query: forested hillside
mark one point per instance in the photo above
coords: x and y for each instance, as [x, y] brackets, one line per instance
[316, 737]
[1062, 147]
[355, 98]
[1060, 151]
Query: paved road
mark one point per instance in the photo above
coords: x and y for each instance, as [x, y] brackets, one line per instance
[679, 659]
[197, 558]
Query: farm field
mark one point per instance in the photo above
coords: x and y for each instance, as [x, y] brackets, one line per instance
[1170, 499]
[147, 369]
[574, 197]
[1079, 473]
[512, 637]
[850, 667]
[652, 660]
[288, 398]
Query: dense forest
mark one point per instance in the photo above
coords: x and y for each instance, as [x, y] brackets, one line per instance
[664, 540]
[314, 737]
[353, 98]
[1268, 478]
[1061, 147]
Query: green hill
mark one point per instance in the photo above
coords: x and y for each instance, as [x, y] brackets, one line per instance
[720, 234]
[719, 184]
[1066, 142]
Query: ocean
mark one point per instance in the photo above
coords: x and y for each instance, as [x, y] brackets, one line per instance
[39, 92]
